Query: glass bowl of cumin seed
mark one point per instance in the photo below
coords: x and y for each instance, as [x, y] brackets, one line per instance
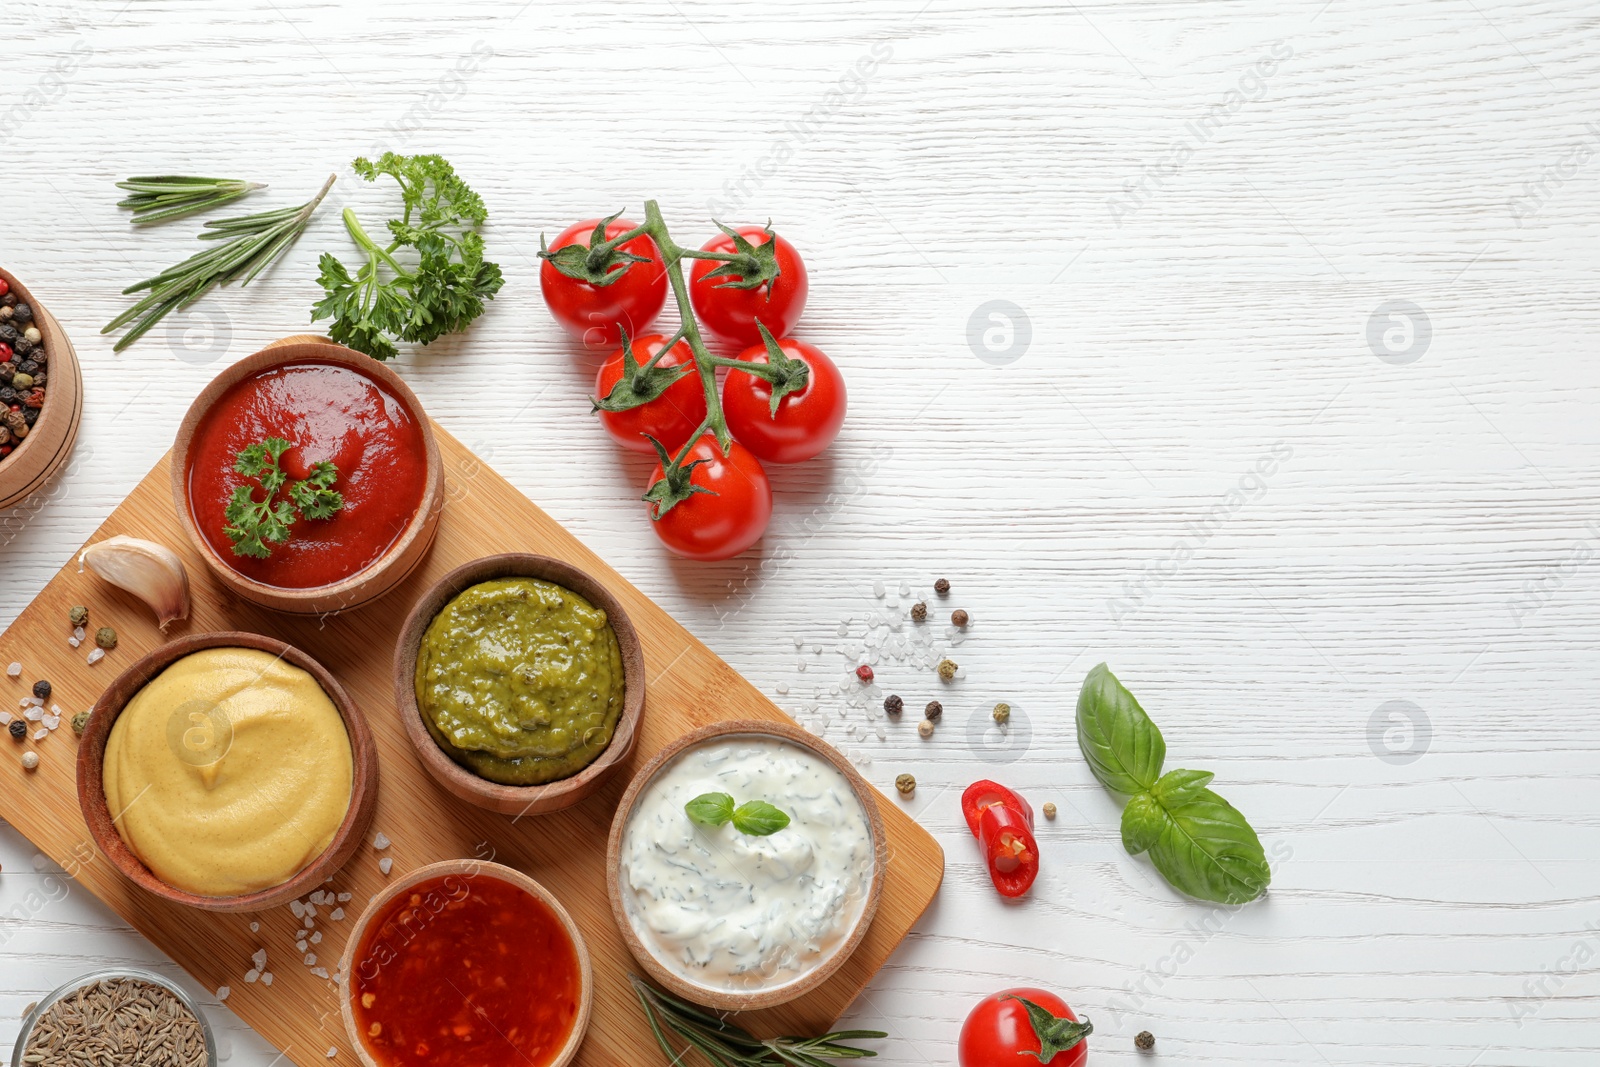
[120, 1017]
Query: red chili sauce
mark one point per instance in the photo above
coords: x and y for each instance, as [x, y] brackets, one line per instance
[326, 411]
[465, 972]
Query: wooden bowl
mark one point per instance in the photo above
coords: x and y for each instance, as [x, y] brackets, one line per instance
[745, 1000]
[91, 784]
[518, 799]
[40, 455]
[364, 586]
[467, 869]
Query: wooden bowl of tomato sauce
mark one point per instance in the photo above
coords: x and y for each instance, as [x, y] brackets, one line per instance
[461, 963]
[331, 405]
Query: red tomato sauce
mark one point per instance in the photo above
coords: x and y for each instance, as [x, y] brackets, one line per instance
[465, 972]
[326, 411]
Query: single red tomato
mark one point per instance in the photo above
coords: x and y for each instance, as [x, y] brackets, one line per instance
[1003, 1031]
[729, 313]
[984, 793]
[591, 312]
[807, 420]
[728, 519]
[1009, 849]
[671, 417]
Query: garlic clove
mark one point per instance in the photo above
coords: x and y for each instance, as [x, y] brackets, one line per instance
[152, 572]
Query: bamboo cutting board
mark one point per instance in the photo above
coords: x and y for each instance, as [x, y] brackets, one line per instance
[688, 687]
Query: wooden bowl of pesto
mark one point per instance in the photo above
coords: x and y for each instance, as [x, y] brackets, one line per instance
[520, 683]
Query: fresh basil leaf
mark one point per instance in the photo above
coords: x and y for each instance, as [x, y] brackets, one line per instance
[1142, 822]
[758, 818]
[1207, 849]
[1176, 787]
[1124, 749]
[710, 809]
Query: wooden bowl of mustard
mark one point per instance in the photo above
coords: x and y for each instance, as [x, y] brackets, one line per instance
[519, 681]
[228, 772]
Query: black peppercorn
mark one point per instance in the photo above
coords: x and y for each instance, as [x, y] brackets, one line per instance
[41, 689]
[24, 313]
[1145, 1041]
[892, 704]
[23, 346]
[30, 416]
[934, 711]
[8, 370]
[919, 612]
[9, 396]
[942, 587]
[8, 333]
[28, 366]
[9, 300]
[19, 729]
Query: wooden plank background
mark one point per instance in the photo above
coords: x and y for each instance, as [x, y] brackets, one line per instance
[1426, 539]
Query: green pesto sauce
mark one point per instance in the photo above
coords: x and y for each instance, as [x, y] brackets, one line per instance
[520, 681]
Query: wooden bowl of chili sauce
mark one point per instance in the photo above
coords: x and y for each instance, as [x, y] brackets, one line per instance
[462, 963]
[332, 405]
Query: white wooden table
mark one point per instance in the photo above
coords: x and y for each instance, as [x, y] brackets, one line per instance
[1293, 418]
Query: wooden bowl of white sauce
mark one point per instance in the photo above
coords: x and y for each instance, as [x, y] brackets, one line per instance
[736, 920]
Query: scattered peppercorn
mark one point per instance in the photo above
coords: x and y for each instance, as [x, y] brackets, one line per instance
[41, 689]
[942, 587]
[947, 669]
[106, 638]
[864, 672]
[1145, 1041]
[23, 313]
[925, 728]
[934, 711]
[1002, 713]
[30, 761]
[919, 611]
[906, 784]
[78, 615]
[79, 721]
[892, 704]
[1049, 809]
[959, 618]
[18, 729]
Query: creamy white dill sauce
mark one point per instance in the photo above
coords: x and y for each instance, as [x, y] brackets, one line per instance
[733, 912]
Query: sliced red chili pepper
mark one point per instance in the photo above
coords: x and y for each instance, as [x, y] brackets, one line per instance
[983, 793]
[1012, 854]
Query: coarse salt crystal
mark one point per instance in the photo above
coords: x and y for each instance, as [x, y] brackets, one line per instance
[50, 722]
[905, 588]
[5, 718]
[255, 928]
[380, 842]
[222, 992]
[298, 908]
[14, 670]
[336, 914]
[320, 972]
[783, 687]
[316, 938]
[252, 975]
[40, 734]
[300, 945]
[80, 633]
[798, 642]
[74, 641]
[333, 1050]
[878, 589]
[96, 656]
[386, 865]
[266, 977]
[311, 959]
[311, 909]
[37, 702]
[310, 922]
[259, 958]
[345, 898]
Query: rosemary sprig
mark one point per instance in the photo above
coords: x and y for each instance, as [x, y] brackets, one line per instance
[725, 1045]
[249, 245]
[157, 198]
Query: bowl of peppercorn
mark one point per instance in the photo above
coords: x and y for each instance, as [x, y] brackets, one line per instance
[41, 394]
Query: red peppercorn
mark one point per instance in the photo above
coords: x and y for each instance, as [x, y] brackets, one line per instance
[864, 672]
[35, 398]
[5, 352]
[5, 287]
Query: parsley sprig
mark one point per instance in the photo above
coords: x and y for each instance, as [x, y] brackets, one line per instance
[255, 525]
[386, 300]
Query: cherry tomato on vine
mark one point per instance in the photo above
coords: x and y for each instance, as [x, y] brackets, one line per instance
[726, 521]
[671, 417]
[806, 421]
[729, 313]
[1005, 1031]
[592, 312]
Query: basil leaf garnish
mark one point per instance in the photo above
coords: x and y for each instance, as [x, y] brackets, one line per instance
[1199, 842]
[710, 809]
[1124, 749]
[758, 818]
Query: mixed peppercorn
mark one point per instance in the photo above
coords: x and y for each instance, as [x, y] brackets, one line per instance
[23, 374]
